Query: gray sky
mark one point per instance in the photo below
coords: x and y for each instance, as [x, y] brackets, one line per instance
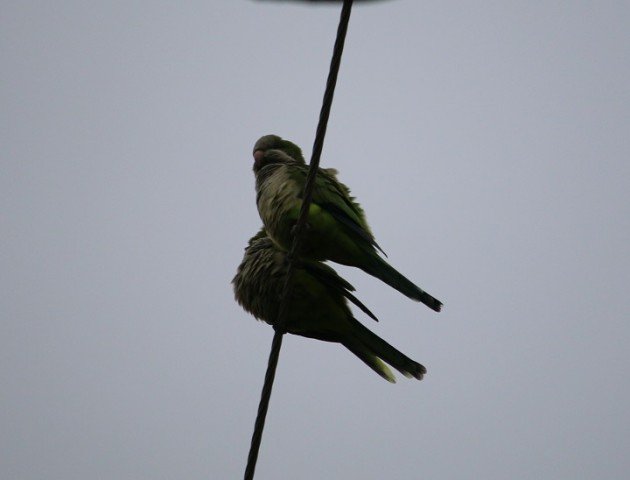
[490, 146]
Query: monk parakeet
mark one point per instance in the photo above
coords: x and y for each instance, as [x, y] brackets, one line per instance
[317, 306]
[337, 228]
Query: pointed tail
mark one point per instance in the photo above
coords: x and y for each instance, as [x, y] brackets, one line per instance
[392, 277]
[373, 350]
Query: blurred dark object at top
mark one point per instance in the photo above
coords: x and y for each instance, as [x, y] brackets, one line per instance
[322, 1]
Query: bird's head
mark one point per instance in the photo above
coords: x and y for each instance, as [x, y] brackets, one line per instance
[274, 149]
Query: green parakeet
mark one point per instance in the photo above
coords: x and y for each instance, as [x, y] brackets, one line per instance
[317, 306]
[337, 228]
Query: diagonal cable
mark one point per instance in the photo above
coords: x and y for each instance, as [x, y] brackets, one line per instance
[280, 324]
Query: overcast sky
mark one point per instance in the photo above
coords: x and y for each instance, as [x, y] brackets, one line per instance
[490, 146]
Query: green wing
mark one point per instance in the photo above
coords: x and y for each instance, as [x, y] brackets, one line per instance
[334, 197]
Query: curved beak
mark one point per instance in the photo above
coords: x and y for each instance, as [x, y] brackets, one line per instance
[258, 156]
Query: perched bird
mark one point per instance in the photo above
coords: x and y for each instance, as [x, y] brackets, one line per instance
[337, 228]
[317, 307]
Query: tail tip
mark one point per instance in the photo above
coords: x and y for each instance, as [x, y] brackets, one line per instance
[428, 300]
[418, 372]
[421, 372]
[433, 303]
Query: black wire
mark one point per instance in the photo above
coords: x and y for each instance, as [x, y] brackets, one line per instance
[280, 324]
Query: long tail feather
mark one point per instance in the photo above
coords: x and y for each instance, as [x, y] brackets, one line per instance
[359, 304]
[366, 343]
[392, 277]
[370, 360]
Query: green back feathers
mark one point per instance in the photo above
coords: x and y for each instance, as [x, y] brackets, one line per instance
[334, 197]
